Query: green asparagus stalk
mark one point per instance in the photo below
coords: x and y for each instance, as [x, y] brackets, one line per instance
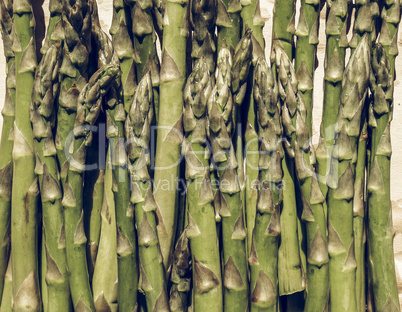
[6, 143]
[365, 20]
[342, 265]
[306, 50]
[231, 78]
[169, 132]
[284, 25]
[251, 17]
[181, 275]
[229, 22]
[201, 228]
[337, 42]
[104, 283]
[152, 275]
[202, 16]
[43, 117]
[290, 270]
[55, 29]
[126, 236]
[6, 299]
[123, 45]
[76, 21]
[263, 257]
[380, 229]
[88, 110]
[24, 207]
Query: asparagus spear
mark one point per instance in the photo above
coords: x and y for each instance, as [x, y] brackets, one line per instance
[76, 21]
[336, 30]
[24, 216]
[181, 275]
[264, 246]
[201, 228]
[43, 117]
[55, 29]
[284, 25]
[6, 299]
[169, 132]
[380, 229]
[202, 17]
[251, 17]
[137, 128]
[104, 283]
[342, 265]
[88, 109]
[6, 143]
[123, 45]
[290, 271]
[229, 22]
[365, 14]
[222, 130]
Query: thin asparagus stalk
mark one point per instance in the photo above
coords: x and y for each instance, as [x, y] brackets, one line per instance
[126, 236]
[137, 127]
[169, 132]
[290, 270]
[6, 298]
[251, 18]
[55, 29]
[229, 22]
[123, 45]
[342, 265]
[76, 21]
[43, 117]
[181, 275]
[88, 109]
[201, 228]
[337, 42]
[263, 257]
[6, 143]
[104, 283]
[202, 16]
[380, 229]
[24, 207]
[365, 20]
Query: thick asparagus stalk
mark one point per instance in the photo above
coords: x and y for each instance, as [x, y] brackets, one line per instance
[290, 273]
[137, 127]
[202, 16]
[24, 216]
[104, 282]
[43, 117]
[235, 277]
[284, 25]
[201, 228]
[342, 265]
[169, 133]
[6, 143]
[264, 247]
[380, 229]
[76, 21]
[181, 275]
[229, 22]
[88, 109]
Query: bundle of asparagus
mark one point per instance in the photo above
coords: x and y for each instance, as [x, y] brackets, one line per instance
[266, 221]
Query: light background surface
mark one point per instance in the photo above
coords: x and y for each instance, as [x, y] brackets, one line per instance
[105, 14]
